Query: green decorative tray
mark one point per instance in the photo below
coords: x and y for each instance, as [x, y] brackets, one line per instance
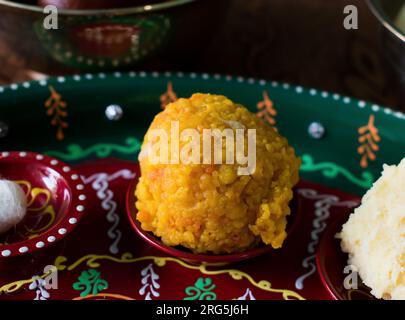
[343, 144]
[359, 136]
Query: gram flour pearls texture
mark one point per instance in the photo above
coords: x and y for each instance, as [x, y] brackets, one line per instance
[209, 207]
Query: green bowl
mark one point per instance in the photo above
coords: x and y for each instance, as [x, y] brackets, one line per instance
[386, 11]
[393, 39]
[105, 39]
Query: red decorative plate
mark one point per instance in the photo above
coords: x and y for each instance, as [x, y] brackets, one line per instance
[56, 202]
[332, 265]
[187, 255]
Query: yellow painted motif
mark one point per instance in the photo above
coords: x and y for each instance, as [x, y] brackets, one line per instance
[93, 261]
[359, 292]
[17, 285]
[44, 210]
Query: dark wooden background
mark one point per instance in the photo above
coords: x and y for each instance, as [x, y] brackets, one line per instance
[297, 41]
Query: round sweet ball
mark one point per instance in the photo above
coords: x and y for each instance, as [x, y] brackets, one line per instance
[13, 205]
[213, 207]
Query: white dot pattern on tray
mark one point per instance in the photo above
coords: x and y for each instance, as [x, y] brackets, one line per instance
[23, 249]
[80, 208]
[80, 187]
[82, 197]
[5, 253]
[72, 220]
[62, 231]
[51, 239]
[399, 115]
[387, 110]
[40, 244]
[205, 76]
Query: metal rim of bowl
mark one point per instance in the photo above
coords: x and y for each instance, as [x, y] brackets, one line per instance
[146, 8]
[386, 21]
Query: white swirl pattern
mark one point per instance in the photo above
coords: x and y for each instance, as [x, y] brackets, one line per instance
[150, 283]
[100, 183]
[322, 212]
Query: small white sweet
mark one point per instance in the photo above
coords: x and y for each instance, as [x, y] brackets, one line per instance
[13, 205]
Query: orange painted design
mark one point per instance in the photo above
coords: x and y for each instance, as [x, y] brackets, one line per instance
[169, 96]
[56, 109]
[266, 109]
[368, 140]
[105, 296]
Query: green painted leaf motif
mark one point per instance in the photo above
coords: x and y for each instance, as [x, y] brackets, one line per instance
[202, 290]
[132, 146]
[75, 152]
[89, 282]
[331, 170]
